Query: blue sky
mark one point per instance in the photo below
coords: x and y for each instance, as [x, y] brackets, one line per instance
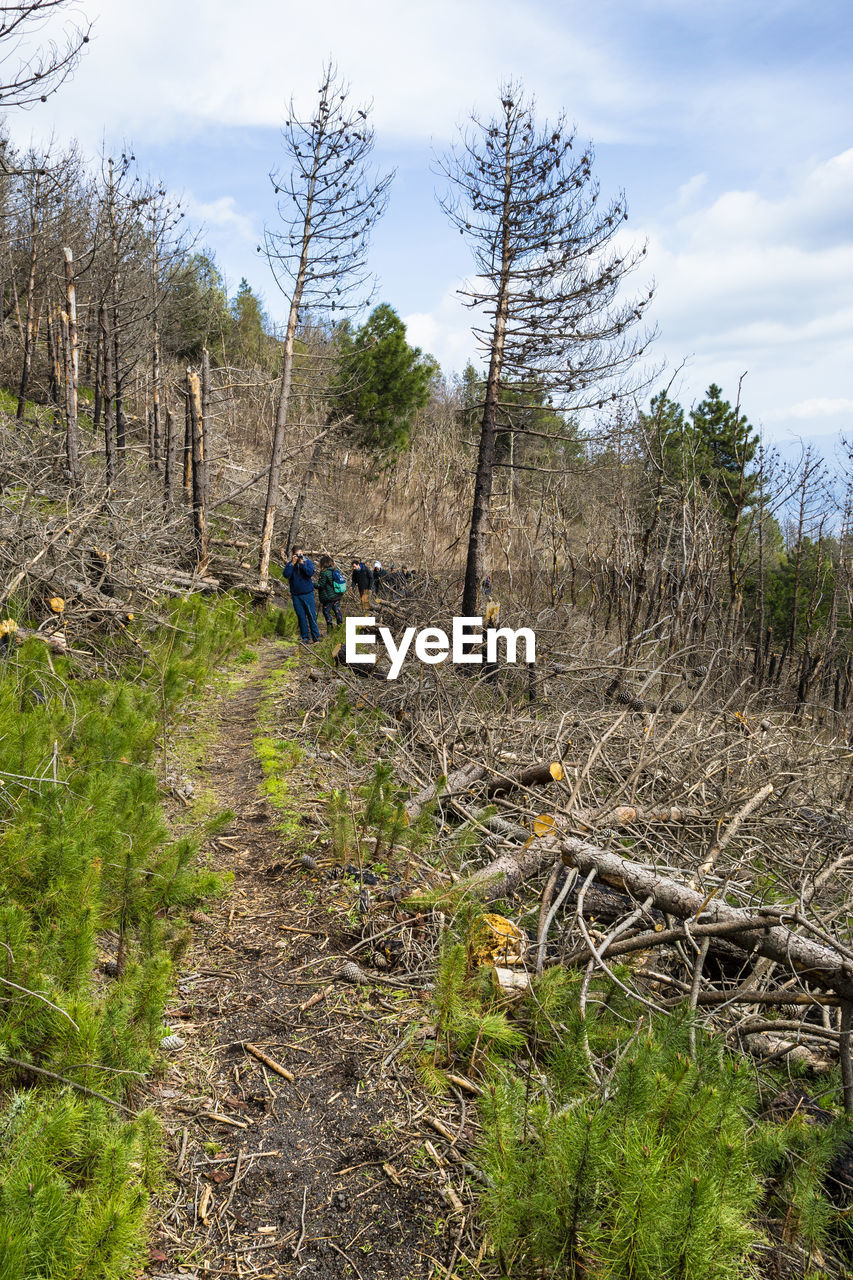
[728, 124]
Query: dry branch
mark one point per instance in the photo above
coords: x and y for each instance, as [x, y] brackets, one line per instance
[822, 965]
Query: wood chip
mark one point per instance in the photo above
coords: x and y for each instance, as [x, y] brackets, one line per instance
[204, 1203]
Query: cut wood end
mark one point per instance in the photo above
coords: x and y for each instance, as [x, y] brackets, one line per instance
[556, 771]
[511, 979]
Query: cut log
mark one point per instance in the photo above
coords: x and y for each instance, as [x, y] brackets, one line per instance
[459, 780]
[462, 779]
[506, 872]
[819, 964]
[534, 775]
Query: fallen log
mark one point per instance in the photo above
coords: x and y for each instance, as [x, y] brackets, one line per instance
[506, 872]
[463, 779]
[459, 780]
[55, 641]
[819, 964]
[534, 775]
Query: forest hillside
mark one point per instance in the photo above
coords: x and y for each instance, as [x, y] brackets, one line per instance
[499, 966]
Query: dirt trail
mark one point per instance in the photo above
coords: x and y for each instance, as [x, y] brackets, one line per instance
[325, 1175]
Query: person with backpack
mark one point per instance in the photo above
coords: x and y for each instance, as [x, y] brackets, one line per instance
[331, 585]
[299, 572]
[362, 582]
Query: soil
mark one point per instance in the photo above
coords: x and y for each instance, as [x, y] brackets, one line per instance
[339, 1172]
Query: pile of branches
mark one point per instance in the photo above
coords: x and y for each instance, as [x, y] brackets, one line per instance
[695, 855]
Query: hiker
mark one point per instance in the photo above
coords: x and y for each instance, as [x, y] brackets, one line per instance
[299, 572]
[487, 587]
[378, 577]
[331, 585]
[362, 581]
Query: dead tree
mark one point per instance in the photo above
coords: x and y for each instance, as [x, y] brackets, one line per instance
[72, 372]
[328, 204]
[28, 76]
[199, 467]
[548, 271]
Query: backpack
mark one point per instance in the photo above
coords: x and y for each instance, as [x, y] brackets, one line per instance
[339, 582]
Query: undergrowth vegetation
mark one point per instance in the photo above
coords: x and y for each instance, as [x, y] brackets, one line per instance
[609, 1148]
[93, 898]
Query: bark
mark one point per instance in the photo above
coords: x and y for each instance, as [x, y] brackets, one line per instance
[534, 775]
[109, 404]
[463, 779]
[815, 962]
[72, 372]
[156, 415]
[488, 429]
[506, 872]
[170, 458]
[284, 394]
[28, 329]
[98, 379]
[199, 468]
[459, 780]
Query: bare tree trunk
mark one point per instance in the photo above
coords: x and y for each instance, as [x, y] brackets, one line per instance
[199, 467]
[28, 329]
[156, 417]
[99, 374]
[72, 372]
[53, 359]
[170, 458]
[188, 454]
[823, 965]
[486, 452]
[109, 404]
[284, 395]
[118, 396]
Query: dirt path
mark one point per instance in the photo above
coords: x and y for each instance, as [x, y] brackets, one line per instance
[326, 1175]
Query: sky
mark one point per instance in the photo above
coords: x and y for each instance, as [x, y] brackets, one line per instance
[727, 123]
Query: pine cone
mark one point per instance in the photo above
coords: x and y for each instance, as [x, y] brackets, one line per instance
[352, 973]
[170, 1044]
[309, 863]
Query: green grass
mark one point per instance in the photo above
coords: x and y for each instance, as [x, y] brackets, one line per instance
[89, 870]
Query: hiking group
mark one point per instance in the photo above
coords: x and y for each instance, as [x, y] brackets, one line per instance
[331, 585]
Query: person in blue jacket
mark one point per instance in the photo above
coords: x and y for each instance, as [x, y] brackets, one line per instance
[299, 572]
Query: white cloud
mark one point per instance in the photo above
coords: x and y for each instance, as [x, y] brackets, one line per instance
[224, 218]
[750, 283]
[821, 407]
[444, 332]
[163, 71]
